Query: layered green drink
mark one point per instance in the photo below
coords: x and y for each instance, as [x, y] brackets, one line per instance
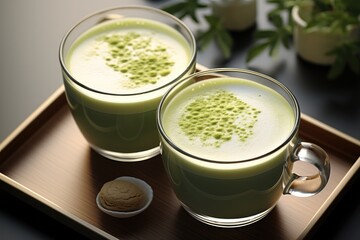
[225, 143]
[115, 73]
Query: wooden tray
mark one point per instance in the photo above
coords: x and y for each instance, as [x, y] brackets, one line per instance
[48, 164]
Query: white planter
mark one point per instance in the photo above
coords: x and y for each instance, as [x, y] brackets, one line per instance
[313, 46]
[235, 14]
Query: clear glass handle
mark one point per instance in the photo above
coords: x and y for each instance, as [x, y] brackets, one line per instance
[304, 186]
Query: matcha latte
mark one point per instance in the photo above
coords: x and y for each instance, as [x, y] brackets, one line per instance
[214, 129]
[128, 56]
[229, 143]
[226, 137]
[226, 118]
[115, 73]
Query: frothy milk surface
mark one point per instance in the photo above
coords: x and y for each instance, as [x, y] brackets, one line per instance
[228, 119]
[129, 55]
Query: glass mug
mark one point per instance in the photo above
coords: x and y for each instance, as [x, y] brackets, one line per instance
[116, 65]
[229, 142]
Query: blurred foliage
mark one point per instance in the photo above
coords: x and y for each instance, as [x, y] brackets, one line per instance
[215, 30]
[336, 16]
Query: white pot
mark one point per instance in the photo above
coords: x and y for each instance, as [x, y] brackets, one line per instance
[313, 46]
[235, 14]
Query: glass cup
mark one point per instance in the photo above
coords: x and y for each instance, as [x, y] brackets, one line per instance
[230, 146]
[116, 65]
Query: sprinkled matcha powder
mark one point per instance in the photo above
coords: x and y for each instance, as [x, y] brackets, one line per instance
[140, 57]
[216, 118]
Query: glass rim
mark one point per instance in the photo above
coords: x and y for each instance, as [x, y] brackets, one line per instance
[238, 70]
[190, 65]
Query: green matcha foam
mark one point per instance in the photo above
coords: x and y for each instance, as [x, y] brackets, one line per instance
[128, 56]
[228, 119]
[217, 117]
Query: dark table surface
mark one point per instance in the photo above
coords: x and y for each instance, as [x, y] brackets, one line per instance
[29, 72]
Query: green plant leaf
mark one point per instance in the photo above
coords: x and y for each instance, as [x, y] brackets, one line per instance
[273, 48]
[285, 36]
[277, 20]
[225, 42]
[347, 54]
[176, 9]
[216, 32]
[337, 68]
[204, 38]
[256, 50]
[185, 8]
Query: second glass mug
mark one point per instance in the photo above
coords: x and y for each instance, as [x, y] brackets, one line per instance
[202, 146]
[119, 122]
